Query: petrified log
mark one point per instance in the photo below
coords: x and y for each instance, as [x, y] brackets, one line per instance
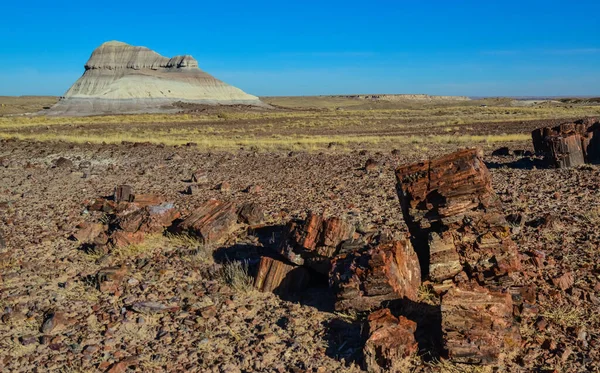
[150, 219]
[123, 193]
[211, 222]
[364, 279]
[566, 151]
[122, 239]
[569, 144]
[455, 218]
[279, 277]
[390, 340]
[315, 241]
[477, 324]
[143, 200]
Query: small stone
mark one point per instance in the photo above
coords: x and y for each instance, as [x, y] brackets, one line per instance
[63, 162]
[224, 187]
[565, 281]
[55, 322]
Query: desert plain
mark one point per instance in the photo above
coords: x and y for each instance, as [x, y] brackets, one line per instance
[175, 302]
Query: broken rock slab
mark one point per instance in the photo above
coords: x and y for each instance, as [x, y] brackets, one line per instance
[211, 222]
[314, 241]
[478, 324]
[390, 340]
[279, 277]
[363, 280]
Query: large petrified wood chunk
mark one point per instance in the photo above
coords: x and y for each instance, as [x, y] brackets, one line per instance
[211, 222]
[477, 324]
[150, 219]
[315, 241]
[454, 216]
[364, 279]
[569, 144]
[390, 340]
[280, 278]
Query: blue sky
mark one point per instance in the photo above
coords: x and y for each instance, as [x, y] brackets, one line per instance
[459, 47]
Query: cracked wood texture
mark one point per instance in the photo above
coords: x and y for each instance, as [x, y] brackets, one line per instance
[478, 324]
[211, 222]
[455, 217]
[363, 280]
[279, 277]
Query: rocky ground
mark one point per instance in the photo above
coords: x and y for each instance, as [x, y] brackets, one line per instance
[186, 307]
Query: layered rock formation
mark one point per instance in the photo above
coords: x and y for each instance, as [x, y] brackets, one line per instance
[120, 78]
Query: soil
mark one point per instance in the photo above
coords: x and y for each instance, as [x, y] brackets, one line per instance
[207, 325]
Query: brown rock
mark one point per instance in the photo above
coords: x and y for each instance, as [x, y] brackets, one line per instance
[55, 322]
[565, 281]
[251, 213]
[109, 279]
[371, 165]
[123, 365]
[211, 222]
[449, 201]
[143, 200]
[390, 340]
[123, 193]
[63, 162]
[123, 239]
[315, 241]
[88, 232]
[478, 324]
[253, 189]
[280, 278]
[150, 219]
[224, 186]
[363, 280]
[200, 176]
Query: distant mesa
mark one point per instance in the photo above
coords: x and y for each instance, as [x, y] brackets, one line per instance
[120, 78]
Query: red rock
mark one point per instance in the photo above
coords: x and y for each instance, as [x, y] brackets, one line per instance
[122, 239]
[315, 241]
[280, 278]
[200, 176]
[478, 324]
[143, 200]
[150, 219]
[391, 339]
[109, 279]
[364, 279]
[455, 217]
[211, 222]
[565, 281]
[88, 232]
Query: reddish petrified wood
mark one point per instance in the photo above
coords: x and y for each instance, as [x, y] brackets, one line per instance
[364, 279]
[150, 219]
[478, 324]
[122, 239]
[89, 232]
[211, 222]
[315, 241]
[390, 340]
[569, 144]
[280, 278]
[455, 217]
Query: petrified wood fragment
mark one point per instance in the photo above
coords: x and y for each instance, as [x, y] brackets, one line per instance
[478, 324]
[280, 278]
[315, 241]
[455, 217]
[123, 193]
[109, 279]
[251, 213]
[364, 279]
[569, 144]
[390, 340]
[150, 219]
[211, 222]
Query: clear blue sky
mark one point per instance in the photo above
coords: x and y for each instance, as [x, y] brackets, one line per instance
[458, 47]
